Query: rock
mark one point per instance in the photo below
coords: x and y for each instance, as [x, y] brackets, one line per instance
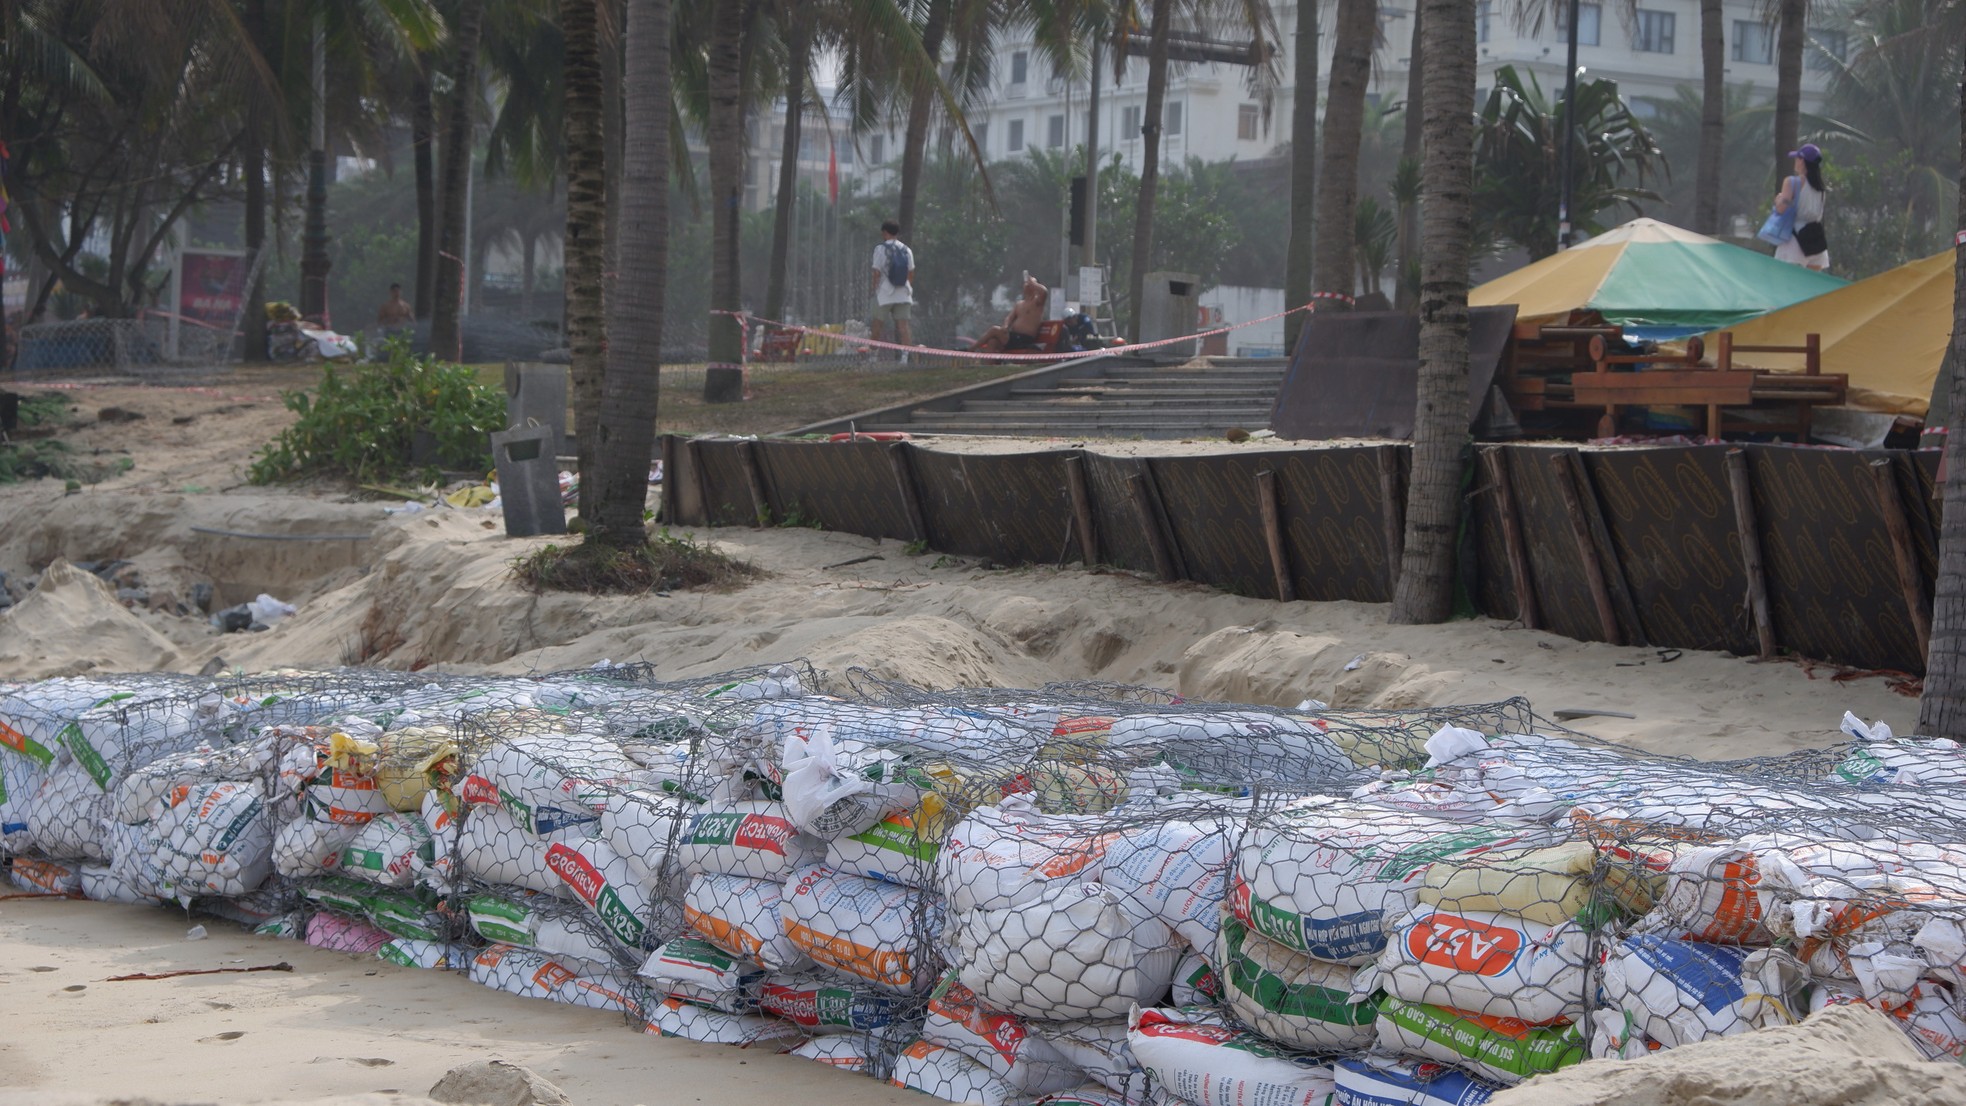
[233, 620]
[124, 574]
[497, 1083]
[118, 414]
[133, 597]
[162, 599]
[201, 597]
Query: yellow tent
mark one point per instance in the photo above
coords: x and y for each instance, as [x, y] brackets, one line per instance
[1889, 333]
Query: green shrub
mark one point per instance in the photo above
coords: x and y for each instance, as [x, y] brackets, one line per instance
[362, 419]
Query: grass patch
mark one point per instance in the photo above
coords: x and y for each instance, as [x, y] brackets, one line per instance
[43, 409]
[35, 453]
[666, 563]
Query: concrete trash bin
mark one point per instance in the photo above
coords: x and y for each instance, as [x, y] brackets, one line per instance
[537, 393]
[1170, 304]
[529, 481]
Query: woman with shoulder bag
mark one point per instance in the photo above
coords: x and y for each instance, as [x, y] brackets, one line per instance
[1803, 195]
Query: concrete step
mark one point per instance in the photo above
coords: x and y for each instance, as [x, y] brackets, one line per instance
[1260, 415]
[1157, 430]
[1264, 395]
[1121, 400]
[1136, 379]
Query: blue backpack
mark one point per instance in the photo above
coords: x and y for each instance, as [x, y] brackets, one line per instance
[899, 260]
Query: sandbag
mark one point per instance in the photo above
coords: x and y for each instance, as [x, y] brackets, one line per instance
[639, 826]
[843, 1053]
[215, 839]
[893, 849]
[534, 974]
[697, 971]
[944, 1073]
[750, 838]
[1195, 981]
[1504, 1050]
[401, 912]
[1077, 951]
[339, 933]
[818, 1004]
[881, 933]
[431, 955]
[1386, 1081]
[1002, 1043]
[1326, 877]
[1290, 997]
[1488, 964]
[1098, 1048]
[390, 849]
[103, 883]
[1679, 992]
[836, 787]
[1201, 1061]
[744, 917]
[1557, 883]
[1933, 1019]
[67, 812]
[303, 847]
[495, 848]
[1012, 853]
[672, 1017]
[540, 922]
[604, 883]
[552, 782]
[1177, 870]
[38, 876]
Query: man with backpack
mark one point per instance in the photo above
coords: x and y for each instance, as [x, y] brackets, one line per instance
[894, 285]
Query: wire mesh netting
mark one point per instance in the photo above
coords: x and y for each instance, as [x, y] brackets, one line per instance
[1079, 893]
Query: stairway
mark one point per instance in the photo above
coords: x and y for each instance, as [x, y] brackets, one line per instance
[1199, 399]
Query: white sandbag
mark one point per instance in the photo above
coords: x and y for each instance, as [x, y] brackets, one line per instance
[38, 876]
[743, 917]
[1881, 759]
[103, 883]
[842, 1052]
[944, 1073]
[534, 974]
[697, 971]
[1201, 1061]
[431, 955]
[819, 1004]
[672, 1017]
[1292, 998]
[133, 862]
[837, 787]
[603, 881]
[304, 848]
[1098, 1094]
[1680, 992]
[66, 815]
[1178, 870]
[894, 850]
[552, 782]
[1002, 1043]
[1077, 951]
[1098, 1048]
[215, 839]
[1389, 1081]
[1236, 746]
[1714, 894]
[1195, 981]
[1933, 1019]
[20, 778]
[495, 848]
[882, 933]
[1010, 854]
[1325, 877]
[938, 731]
[638, 826]
[145, 786]
[540, 922]
[1504, 1050]
[389, 849]
[1488, 964]
[749, 838]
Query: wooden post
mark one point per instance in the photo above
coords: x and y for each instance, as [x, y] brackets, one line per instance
[1148, 518]
[1910, 581]
[1607, 553]
[1749, 533]
[911, 496]
[1525, 591]
[669, 496]
[702, 482]
[1812, 365]
[1266, 504]
[1573, 508]
[754, 477]
[1082, 510]
[1392, 514]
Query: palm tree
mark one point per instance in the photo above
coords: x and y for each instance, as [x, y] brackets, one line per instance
[725, 135]
[1790, 17]
[1713, 119]
[1356, 34]
[1942, 708]
[1425, 589]
[586, 233]
[1303, 172]
[446, 336]
[628, 413]
[799, 17]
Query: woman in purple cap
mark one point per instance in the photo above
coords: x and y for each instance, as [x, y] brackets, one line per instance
[1810, 246]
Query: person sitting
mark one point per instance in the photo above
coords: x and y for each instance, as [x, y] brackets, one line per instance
[1019, 330]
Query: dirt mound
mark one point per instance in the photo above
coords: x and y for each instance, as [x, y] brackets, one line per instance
[72, 624]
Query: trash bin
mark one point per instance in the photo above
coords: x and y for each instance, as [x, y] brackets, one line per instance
[537, 393]
[1169, 305]
[529, 481]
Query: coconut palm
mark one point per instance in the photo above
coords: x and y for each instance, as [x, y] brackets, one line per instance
[1425, 588]
[1353, 40]
[1303, 170]
[446, 337]
[1942, 707]
[586, 232]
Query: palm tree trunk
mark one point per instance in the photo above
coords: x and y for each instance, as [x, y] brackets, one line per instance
[1713, 119]
[423, 133]
[529, 271]
[253, 322]
[726, 127]
[1942, 708]
[1409, 213]
[586, 237]
[446, 338]
[799, 49]
[920, 105]
[1344, 120]
[1788, 81]
[627, 422]
[1425, 591]
[1303, 173]
[1143, 218]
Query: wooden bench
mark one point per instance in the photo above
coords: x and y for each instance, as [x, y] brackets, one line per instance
[1712, 388]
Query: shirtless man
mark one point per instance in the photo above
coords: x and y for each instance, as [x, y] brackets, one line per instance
[1019, 329]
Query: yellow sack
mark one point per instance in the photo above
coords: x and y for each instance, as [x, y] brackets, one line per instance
[477, 495]
[1549, 885]
[414, 760]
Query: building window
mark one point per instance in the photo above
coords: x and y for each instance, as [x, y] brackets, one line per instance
[982, 133]
[1644, 107]
[1655, 32]
[1246, 122]
[1020, 64]
[1589, 18]
[1129, 123]
[1171, 119]
[843, 149]
[1016, 142]
[1828, 49]
[1482, 11]
[1753, 42]
[1054, 131]
[877, 149]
